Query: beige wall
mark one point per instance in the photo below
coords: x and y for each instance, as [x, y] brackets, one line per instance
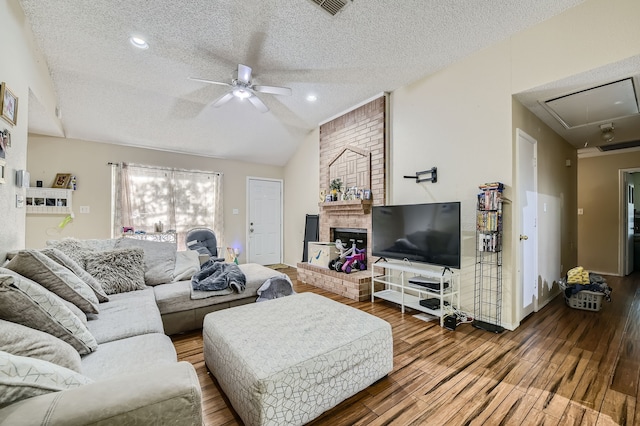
[24, 71]
[599, 196]
[462, 126]
[557, 200]
[88, 162]
[301, 177]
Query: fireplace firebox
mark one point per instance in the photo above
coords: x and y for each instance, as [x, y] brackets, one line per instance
[348, 236]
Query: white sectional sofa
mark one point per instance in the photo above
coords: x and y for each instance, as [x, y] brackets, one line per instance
[110, 362]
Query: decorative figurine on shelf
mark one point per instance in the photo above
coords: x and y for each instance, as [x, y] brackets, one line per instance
[335, 186]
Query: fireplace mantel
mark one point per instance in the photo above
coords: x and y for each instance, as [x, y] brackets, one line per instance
[348, 207]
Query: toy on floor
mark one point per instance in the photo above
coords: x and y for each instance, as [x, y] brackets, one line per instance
[349, 259]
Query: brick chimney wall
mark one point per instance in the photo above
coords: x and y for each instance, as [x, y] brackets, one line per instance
[363, 130]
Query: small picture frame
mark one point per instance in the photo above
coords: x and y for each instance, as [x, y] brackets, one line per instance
[62, 180]
[3, 170]
[5, 142]
[8, 104]
[366, 194]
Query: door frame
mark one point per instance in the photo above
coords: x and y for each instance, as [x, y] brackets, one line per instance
[521, 134]
[622, 218]
[248, 212]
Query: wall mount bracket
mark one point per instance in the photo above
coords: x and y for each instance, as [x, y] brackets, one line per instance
[433, 172]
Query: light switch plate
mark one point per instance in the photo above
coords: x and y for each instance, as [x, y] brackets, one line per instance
[85, 209]
[19, 201]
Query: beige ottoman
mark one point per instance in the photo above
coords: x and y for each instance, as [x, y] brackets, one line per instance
[286, 361]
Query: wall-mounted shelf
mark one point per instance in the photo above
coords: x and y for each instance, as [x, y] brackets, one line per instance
[49, 201]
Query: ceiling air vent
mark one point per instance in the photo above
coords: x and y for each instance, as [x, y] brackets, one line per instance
[332, 6]
[620, 145]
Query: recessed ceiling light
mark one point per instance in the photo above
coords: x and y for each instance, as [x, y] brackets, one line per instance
[312, 98]
[139, 42]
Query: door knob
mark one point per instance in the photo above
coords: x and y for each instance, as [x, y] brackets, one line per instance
[523, 237]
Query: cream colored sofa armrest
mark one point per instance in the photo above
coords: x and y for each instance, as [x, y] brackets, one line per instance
[163, 395]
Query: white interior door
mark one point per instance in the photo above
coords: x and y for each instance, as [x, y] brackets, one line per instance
[527, 209]
[630, 225]
[265, 221]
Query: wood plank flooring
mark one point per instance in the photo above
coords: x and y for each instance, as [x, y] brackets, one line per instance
[562, 366]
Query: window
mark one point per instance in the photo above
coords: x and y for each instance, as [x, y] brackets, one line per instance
[150, 199]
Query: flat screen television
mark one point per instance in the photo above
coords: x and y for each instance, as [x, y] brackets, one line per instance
[428, 233]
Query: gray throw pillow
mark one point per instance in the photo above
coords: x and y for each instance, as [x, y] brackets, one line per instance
[73, 266]
[73, 248]
[54, 277]
[24, 302]
[17, 339]
[25, 377]
[159, 259]
[118, 271]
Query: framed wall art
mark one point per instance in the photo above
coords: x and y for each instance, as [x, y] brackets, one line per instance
[62, 180]
[8, 104]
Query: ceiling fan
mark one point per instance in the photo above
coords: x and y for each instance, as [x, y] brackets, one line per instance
[242, 88]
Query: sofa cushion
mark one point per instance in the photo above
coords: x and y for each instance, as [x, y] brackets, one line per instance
[56, 278]
[118, 270]
[159, 259]
[24, 302]
[130, 355]
[25, 377]
[17, 339]
[176, 297]
[125, 315]
[74, 267]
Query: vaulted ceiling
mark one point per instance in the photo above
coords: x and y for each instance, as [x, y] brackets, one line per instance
[109, 91]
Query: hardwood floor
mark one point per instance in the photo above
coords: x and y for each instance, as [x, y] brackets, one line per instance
[562, 366]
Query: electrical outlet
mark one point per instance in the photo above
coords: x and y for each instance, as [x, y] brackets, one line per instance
[85, 209]
[236, 211]
[580, 212]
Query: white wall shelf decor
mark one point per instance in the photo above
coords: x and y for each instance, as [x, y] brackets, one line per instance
[49, 201]
[397, 288]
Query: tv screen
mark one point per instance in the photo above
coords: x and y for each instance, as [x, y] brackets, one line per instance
[428, 233]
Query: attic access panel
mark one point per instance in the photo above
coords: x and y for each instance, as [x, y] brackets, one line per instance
[602, 103]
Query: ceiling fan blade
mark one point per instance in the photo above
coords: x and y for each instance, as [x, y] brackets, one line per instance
[285, 91]
[244, 73]
[202, 80]
[257, 102]
[222, 100]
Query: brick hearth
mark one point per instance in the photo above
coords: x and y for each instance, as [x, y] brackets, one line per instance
[355, 286]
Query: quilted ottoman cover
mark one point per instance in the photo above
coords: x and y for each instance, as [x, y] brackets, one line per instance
[286, 361]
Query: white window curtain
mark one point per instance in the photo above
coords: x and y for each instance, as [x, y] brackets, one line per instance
[144, 196]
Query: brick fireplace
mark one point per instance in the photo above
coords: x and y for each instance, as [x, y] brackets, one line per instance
[352, 148]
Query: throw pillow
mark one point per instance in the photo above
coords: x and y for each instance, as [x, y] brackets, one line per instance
[17, 339]
[73, 248]
[24, 302]
[73, 308]
[54, 277]
[23, 377]
[74, 267]
[159, 259]
[118, 271]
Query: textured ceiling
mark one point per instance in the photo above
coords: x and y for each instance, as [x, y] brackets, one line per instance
[108, 91]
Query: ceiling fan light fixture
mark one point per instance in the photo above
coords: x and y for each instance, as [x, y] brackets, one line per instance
[241, 93]
[607, 132]
[138, 42]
